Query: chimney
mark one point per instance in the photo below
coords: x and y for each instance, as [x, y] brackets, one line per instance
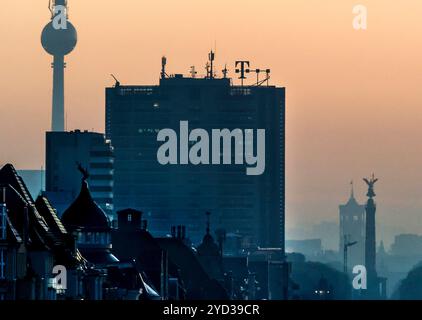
[179, 232]
[173, 232]
[183, 232]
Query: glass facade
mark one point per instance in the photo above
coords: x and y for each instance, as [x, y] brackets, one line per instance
[252, 206]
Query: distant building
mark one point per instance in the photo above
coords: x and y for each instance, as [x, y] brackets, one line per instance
[308, 247]
[352, 228]
[272, 273]
[251, 206]
[407, 245]
[34, 180]
[64, 150]
[328, 232]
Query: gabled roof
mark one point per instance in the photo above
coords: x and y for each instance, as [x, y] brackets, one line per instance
[8, 175]
[49, 214]
[18, 200]
[45, 230]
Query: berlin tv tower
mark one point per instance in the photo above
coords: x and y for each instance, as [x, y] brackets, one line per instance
[58, 38]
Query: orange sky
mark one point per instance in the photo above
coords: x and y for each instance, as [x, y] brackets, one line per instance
[353, 97]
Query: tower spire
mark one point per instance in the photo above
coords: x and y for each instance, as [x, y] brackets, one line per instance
[352, 191]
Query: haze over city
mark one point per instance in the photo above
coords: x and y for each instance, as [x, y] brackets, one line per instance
[353, 105]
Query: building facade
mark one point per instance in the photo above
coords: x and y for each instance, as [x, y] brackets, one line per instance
[352, 228]
[64, 151]
[251, 206]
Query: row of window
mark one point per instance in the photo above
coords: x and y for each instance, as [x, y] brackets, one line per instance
[104, 165]
[93, 237]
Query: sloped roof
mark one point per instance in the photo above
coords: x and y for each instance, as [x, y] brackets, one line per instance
[45, 209]
[18, 199]
[197, 281]
[45, 231]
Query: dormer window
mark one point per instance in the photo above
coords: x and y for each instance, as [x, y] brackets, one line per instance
[129, 217]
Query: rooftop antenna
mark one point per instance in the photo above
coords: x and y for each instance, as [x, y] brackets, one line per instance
[257, 75]
[225, 71]
[211, 58]
[117, 81]
[207, 68]
[267, 78]
[193, 72]
[268, 71]
[163, 67]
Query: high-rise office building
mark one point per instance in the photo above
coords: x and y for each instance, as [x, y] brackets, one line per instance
[64, 151]
[180, 194]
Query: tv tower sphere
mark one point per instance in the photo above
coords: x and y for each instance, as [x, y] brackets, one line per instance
[59, 42]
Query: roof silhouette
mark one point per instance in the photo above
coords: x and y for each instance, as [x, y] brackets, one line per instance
[85, 213]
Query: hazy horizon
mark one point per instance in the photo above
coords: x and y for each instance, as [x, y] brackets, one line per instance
[353, 106]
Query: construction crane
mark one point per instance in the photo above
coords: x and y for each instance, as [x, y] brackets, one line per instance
[346, 246]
